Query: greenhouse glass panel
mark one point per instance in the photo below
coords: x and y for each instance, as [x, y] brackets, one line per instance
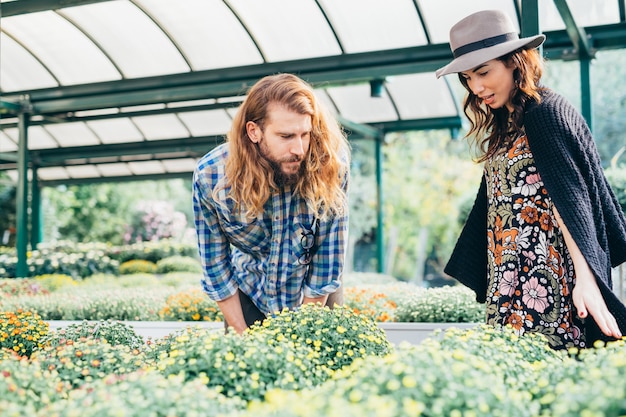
[287, 29]
[207, 32]
[146, 167]
[132, 40]
[585, 13]
[164, 126]
[19, 70]
[355, 104]
[72, 134]
[206, 122]
[38, 138]
[82, 171]
[52, 173]
[421, 96]
[180, 165]
[441, 15]
[63, 49]
[116, 130]
[369, 25]
[6, 144]
[119, 169]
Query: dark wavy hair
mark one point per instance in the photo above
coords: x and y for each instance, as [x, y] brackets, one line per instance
[490, 127]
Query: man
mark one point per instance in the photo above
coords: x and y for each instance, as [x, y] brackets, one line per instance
[271, 210]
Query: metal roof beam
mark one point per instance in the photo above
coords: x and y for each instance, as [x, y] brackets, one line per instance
[577, 34]
[321, 72]
[14, 8]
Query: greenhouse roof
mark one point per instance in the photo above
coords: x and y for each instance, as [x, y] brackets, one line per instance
[119, 89]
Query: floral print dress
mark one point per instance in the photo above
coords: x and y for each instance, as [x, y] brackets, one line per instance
[531, 274]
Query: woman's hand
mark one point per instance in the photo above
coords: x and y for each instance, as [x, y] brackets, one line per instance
[586, 294]
[588, 300]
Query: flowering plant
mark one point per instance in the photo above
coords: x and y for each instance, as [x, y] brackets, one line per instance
[109, 331]
[88, 359]
[337, 336]
[22, 331]
[190, 305]
[378, 302]
[12, 287]
[144, 393]
[86, 304]
[239, 366]
[449, 304]
[25, 387]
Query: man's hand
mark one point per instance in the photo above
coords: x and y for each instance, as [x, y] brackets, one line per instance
[321, 300]
[231, 309]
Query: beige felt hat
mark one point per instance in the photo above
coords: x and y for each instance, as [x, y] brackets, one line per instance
[483, 36]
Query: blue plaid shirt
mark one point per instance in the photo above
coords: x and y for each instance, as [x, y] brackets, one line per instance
[261, 256]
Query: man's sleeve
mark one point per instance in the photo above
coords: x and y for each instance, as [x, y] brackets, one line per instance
[329, 259]
[213, 247]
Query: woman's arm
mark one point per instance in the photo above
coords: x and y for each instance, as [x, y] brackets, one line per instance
[586, 293]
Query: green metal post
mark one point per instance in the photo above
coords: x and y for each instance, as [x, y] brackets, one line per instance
[22, 196]
[380, 241]
[585, 91]
[35, 214]
[530, 18]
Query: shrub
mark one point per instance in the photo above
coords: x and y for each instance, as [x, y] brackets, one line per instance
[88, 360]
[137, 266]
[22, 331]
[178, 264]
[240, 366]
[52, 282]
[109, 331]
[190, 305]
[448, 304]
[140, 394]
[337, 336]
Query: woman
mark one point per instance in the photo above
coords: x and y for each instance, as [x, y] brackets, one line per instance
[553, 225]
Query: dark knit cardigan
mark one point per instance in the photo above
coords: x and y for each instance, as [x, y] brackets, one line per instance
[569, 165]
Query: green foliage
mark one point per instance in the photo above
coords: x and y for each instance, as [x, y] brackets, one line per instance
[85, 213]
[178, 264]
[141, 394]
[190, 305]
[244, 367]
[337, 337]
[447, 304]
[617, 179]
[22, 331]
[107, 331]
[426, 178]
[138, 266]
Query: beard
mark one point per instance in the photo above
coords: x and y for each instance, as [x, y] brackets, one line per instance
[281, 177]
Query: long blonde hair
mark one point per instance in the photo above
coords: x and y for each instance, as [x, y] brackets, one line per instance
[326, 165]
[490, 128]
